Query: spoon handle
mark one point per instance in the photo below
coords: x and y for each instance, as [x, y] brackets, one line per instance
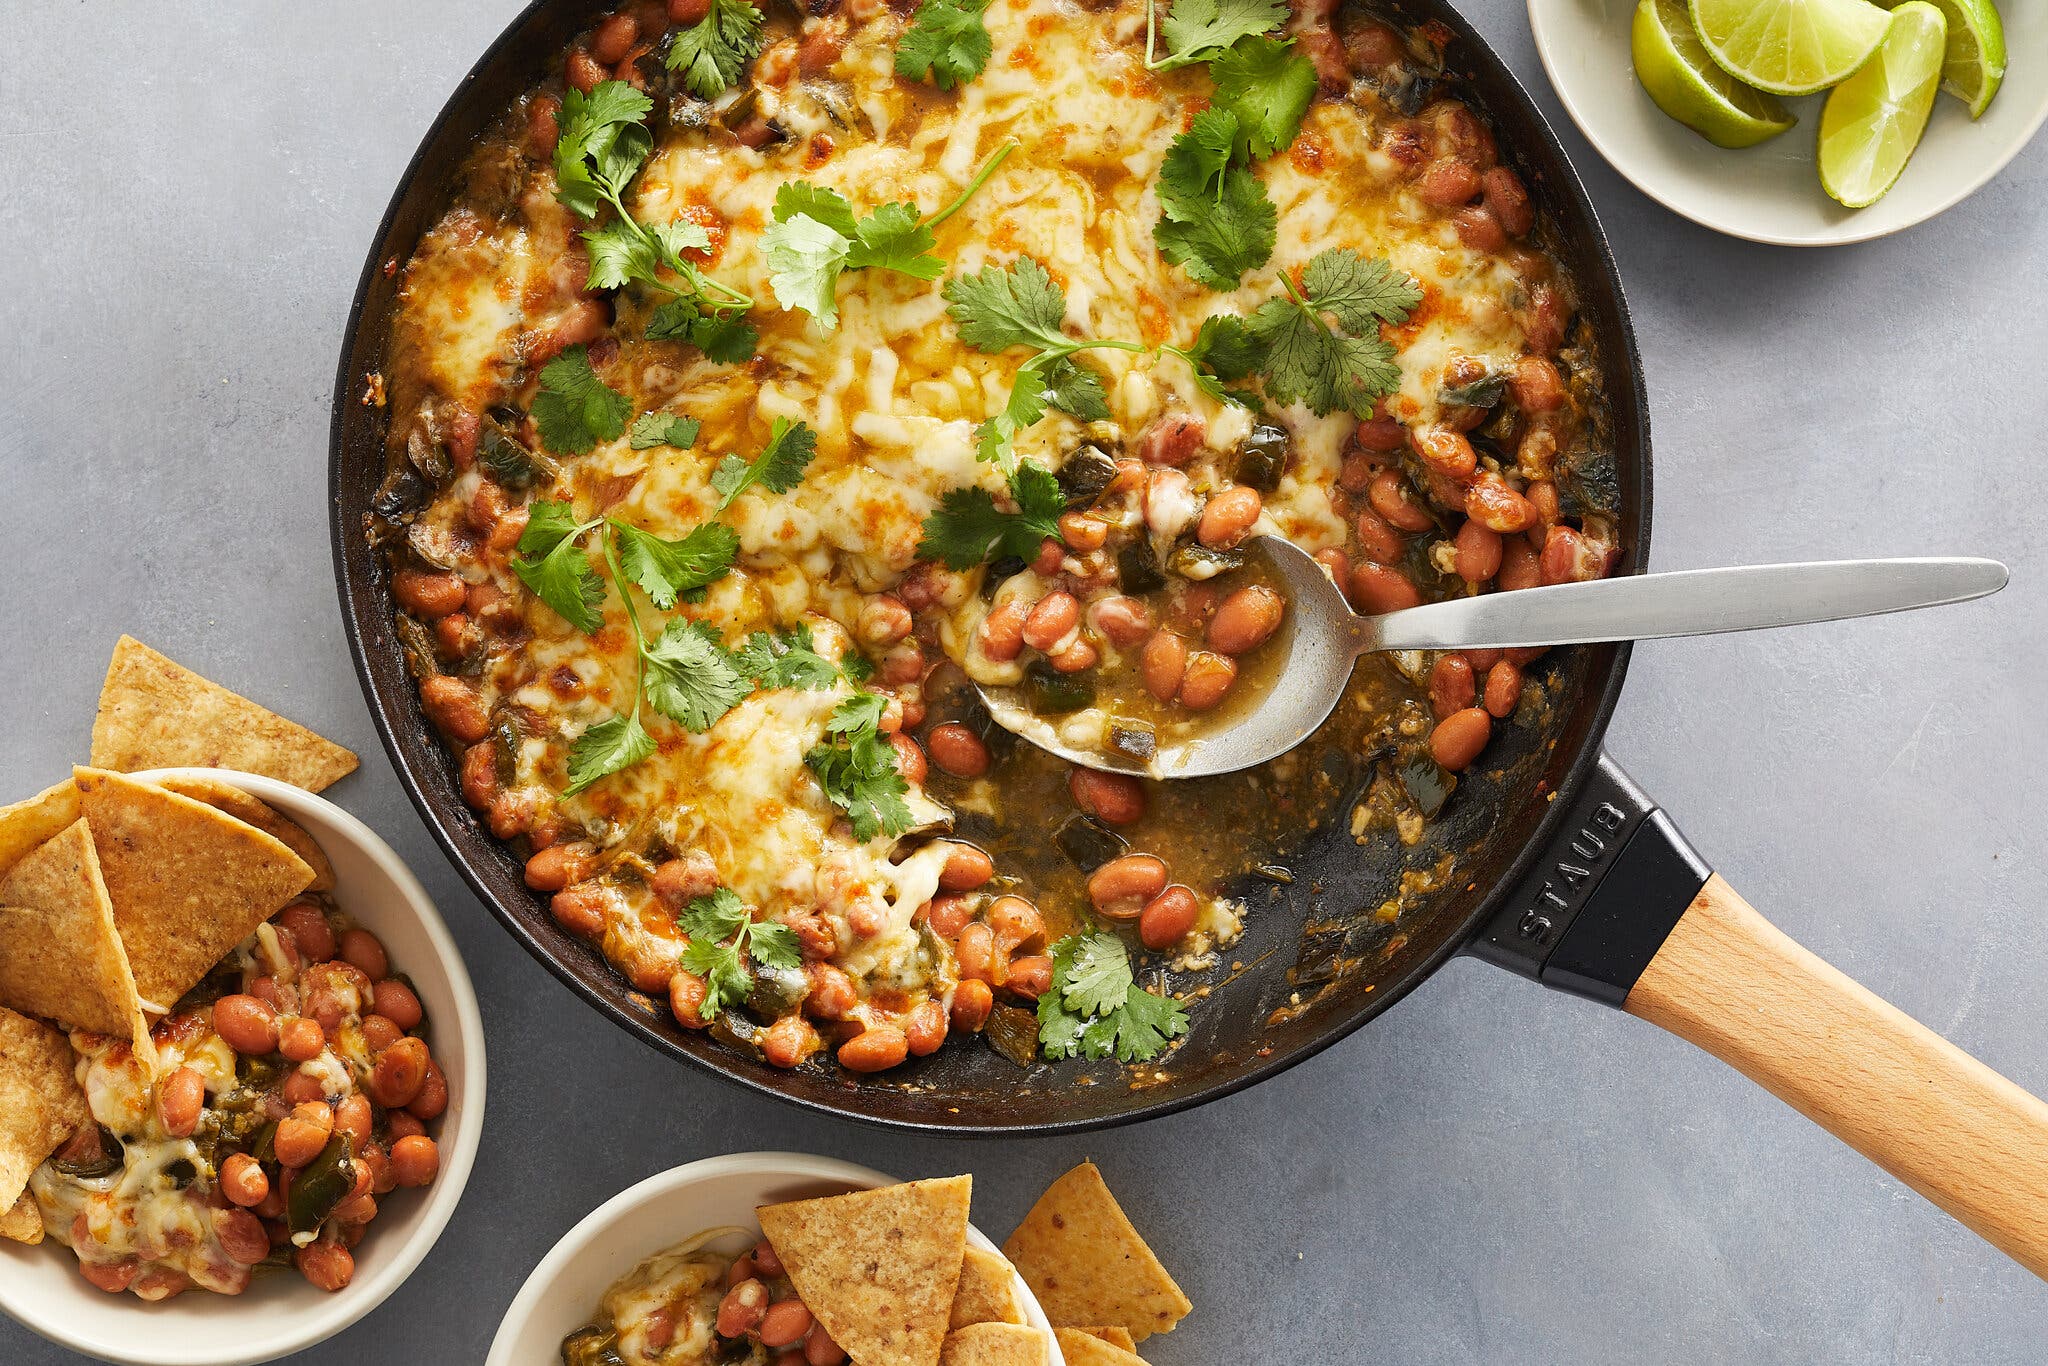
[1692, 602]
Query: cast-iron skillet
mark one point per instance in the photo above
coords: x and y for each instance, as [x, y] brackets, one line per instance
[1564, 872]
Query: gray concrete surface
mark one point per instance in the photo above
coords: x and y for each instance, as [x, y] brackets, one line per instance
[1489, 1174]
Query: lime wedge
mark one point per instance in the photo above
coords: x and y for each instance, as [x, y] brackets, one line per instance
[1973, 67]
[1789, 47]
[1685, 83]
[1873, 121]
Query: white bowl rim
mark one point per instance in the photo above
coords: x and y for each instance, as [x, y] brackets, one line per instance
[258, 1341]
[591, 1226]
[1847, 235]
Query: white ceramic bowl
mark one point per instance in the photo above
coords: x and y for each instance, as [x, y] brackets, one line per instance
[281, 1313]
[1772, 193]
[560, 1295]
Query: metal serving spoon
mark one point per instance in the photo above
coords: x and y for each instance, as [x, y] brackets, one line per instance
[1321, 637]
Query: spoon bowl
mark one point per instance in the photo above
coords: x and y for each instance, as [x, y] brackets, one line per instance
[1320, 638]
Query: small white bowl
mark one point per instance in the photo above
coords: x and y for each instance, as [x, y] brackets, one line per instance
[280, 1313]
[1771, 193]
[564, 1290]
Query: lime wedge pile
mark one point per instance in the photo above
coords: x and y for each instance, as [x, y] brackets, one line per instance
[1718, 66]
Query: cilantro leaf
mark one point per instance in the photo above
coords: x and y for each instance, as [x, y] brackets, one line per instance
[600, 137]
[721, 936]
[1095, 1007]
[947, 43]
[1234, 235]
[999, 308]
[668, 570]
[619, 254]
[711, 53]
[785, 661]
[663, 429]
[1195, 163]
[714, 917]
[827, 206]
[774, 945]
[967, 528]
[1267, 86]
[574, 409]
[1361, 293]
[805, 258]
[892, 237]
[555, 568]
[779, 467]
[606, 748]
[1198, 30]
[690, 677]
[1074, 388]
[1025, 405]
[856, 768]
[1228, 347]
[727, 340]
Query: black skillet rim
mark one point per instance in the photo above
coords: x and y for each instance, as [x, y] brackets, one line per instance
[1565, 183]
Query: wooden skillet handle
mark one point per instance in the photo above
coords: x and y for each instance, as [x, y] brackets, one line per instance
[1730, 982]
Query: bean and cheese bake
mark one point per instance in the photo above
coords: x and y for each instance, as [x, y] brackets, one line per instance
[772, 374]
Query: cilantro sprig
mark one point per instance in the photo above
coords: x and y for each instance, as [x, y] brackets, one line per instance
[856, 767]
[779, 467]
[573, 409]
[604, 142]
[651, 430]
[1320, 344]
[967, 528]
[1217, 221]
[1000, 307]
[1201, 30]
[710, 54]
[947, 43]
[816, 238]
[1095, 1006]
[723, 937]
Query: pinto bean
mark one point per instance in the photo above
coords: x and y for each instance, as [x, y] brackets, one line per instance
[581, 909]
[876, 1049]
[904, 664]
[1120, 888]
[1445, 451]
[1503, 689]
[583, 71]
[976, 952]
[179, 1099]
[1125, 620]
[1494, 505]
[1001, 632]
[326, 1266]
[972, 1002]
[910, 760]
[364, 952]
[788, 1041]
[249, 1025]
[1479, 229]
[1163, 665]
[1518, 566]
[1459, 737]
[243, 1180]
[543, 131]
[1536, 386]
[1078, 655]
[1544, 320]
[1380, 435]
[1113, 798]
[1336, 564]
[1168, 917]
[1377, 588]
[966, 869]
[1451, 685]
[555, 867]
[1379, 541]
[611, 40]
[399, 1073]
[681, 880]
[1478, 548]
[1570, 556]
[925, 1029]
[427, 594]
[957, 750]
[1448, 182]
[453, 705]
[1244, 621]
[1171, 441]
[1049, 620]
[1082, 532]
[480, 775]
[883, 620]
[688, 11]
[1207, 681]
[1029, 977]
[1051, 554]
[300, 1040]
[415, 1161]
[1015, 923]
[1228, 517]
[301, 1135]
[1395, 502]
[686, 993]
[1507, 200]
[742, 1309]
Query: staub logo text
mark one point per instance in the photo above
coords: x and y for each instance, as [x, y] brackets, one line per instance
[1593, 844]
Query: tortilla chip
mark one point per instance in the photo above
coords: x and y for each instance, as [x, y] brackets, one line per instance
[272, 822]
[988, 1291]
[60, 956]
[1116, 1335]
[1084, 1348]
[1086, 1264]
[877, 1267]
[23, 1223]
[25, 825]
[40, 1103]
[155, 713]
[188, 882]
[992, 1344]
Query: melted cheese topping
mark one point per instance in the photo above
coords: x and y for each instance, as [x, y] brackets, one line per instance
[894, 397]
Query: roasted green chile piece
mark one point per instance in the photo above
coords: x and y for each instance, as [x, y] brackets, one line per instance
[1137, 568]
[325, 1183]
[96, 1161]
[592, 1346]
[1085, 475]
[1262, 457]
[1049, 692]
[1087, 843]
[1193, 560]
[1013, 1032]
